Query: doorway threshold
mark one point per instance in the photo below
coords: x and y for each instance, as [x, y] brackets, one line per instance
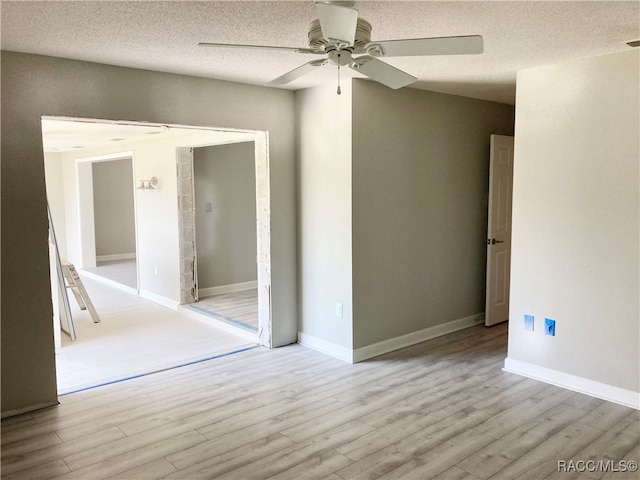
[248, 332]
[156, 370]
[218, 316]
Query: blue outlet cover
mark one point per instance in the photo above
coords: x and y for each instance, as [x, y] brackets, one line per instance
[528, 323]
[549, 327]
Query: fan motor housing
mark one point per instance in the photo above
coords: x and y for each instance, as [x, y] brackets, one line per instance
[318, 42]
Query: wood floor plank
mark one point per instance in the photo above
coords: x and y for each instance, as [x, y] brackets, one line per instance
[442, 409]
[42, 471]
[228, 404]
[441, 458]
[299, 453]
[153, 470]
[124, 417]
[110, 464]
[29, 445]
[633, 458]
[394, 455]
[316, 467]
[611, 447]
[542, 460]
[240, 430]
[521, 440]
[147, 437]
[212, 466]
[455, 473]
[605, 416]
[11, 464]
[506, 421]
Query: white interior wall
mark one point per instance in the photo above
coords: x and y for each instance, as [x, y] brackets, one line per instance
[324, 218]
[55, 194]
[156, 210]
[575, 256]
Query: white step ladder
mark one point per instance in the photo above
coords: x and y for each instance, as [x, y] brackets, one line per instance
[73, 282]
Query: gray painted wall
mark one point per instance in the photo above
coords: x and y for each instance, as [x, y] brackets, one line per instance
[114, 213]
[576, 215]
[33, 86]
[225, 178]
[420, 195]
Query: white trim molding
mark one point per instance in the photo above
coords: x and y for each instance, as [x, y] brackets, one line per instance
[323, 346]
[628, 398]
[390, 345]
[386, 346]
[115, 256]
[233, 287]
[159, 299]
[107, 281]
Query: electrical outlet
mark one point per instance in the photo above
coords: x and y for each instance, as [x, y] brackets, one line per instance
[339, 310]
[528, 323]
[549, 327]
[155, 271]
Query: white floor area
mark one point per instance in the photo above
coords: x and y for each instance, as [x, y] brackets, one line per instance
[135, 336]
[121, 271]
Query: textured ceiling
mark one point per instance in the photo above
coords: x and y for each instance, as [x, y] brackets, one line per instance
[163, 36]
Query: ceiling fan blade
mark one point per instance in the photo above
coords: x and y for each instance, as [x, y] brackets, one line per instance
[382, 72]
[465, 45]
[337, 22]
[298, 72]
[262, 47]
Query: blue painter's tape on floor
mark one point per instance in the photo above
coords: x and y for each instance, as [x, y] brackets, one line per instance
[202, 360]
[226, 319]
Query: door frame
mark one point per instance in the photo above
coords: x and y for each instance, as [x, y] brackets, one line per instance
[187, 241]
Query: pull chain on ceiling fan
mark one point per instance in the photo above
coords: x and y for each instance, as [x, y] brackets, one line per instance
[339, 34]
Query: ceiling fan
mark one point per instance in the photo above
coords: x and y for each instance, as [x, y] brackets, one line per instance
[344, 39]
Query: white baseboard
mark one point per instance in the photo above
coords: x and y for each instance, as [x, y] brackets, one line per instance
[234, 287]
[628, 398]
[115, 256]
[107, 281]
[323, 346]
[386, 346]
[159, 299]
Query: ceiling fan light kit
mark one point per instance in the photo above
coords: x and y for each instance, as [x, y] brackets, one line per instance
[345, 41]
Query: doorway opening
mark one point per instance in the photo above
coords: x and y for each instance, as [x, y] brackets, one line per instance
[107, 219]
[225, 233]
[80, 155]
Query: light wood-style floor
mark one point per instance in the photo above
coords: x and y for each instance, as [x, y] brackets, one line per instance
[443, 409]
[237, 308]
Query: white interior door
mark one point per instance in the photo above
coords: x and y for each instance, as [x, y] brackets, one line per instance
[499, 229]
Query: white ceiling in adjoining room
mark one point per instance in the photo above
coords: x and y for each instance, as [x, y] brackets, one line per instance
[62, 134]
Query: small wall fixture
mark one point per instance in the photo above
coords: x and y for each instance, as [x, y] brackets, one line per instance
[150, 184]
